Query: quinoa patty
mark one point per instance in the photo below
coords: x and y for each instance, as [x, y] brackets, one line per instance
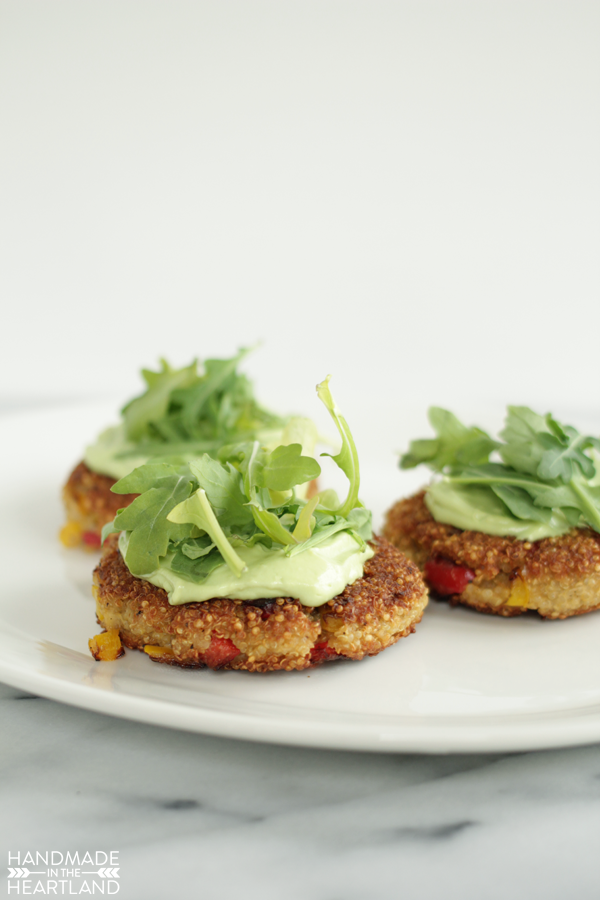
[558, 576]
[90, 504]
[262, 635]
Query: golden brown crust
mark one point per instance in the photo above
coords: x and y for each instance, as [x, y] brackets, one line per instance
[89, 500]
[557, 576]
[369, 615]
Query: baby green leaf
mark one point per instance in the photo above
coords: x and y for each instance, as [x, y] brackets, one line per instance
[198, 511]
[520, 503]
[223, 486]
[589, 501]
[154, 403]
[562, 454]
[329, 499]
[357, 523]
[196, 547]
[151, 475]
[109, 528]
[361, 521]
[306, 521]
[150, 529]
[285, 467]
[455, 444]
[522, 424]
[218, 371]
[347, 458]
[269, 523]
[196, 569]
[521, 435]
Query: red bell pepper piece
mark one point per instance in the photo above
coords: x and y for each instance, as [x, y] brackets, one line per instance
[446, 577]
[91, 538]
[220, 652]
[321, 652]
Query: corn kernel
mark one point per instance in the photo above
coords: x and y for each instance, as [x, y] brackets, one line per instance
[70, 534]
[157, 652]
[106, 646]
[519, 595]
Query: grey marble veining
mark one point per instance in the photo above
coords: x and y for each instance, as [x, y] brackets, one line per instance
[196, 816]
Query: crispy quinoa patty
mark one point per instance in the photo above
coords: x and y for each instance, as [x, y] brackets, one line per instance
[89, 500]
[368, 616]
[558, 577]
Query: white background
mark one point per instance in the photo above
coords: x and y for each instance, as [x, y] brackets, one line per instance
[404, 194]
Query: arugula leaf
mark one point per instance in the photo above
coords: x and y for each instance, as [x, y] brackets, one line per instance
[196, 569]
[329, 499]
[197, 511]
[455, 444]
[562, 455]
[285, 467]
[347, 458]
[521, 448]
[306, 521]
[153, 405]
[522, 424]
[588, 502]
[495, 473]
[361, 520]
[109, 528]
[271, 524]
[150, 528]
[150, 475]
[196, 547]
[521, 504]
[252, 461]
[194, 401]
[361, 532]
[257, 537]
[223, 486]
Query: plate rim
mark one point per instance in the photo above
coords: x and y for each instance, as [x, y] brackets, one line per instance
[509, 733]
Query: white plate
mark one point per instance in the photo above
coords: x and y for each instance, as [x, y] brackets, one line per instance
[463, 682]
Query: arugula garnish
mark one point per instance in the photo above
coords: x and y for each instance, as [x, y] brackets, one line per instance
[141, 413]
[191, 411]
[548, 480]
[455, 444]
[162, 488]
[196, 510]
[347, 458]
[193, 516]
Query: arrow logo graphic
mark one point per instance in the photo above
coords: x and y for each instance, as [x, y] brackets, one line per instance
[111, 872]
[22, 873]
[107, 873]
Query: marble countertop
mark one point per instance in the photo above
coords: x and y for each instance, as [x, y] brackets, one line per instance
[196, 816]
